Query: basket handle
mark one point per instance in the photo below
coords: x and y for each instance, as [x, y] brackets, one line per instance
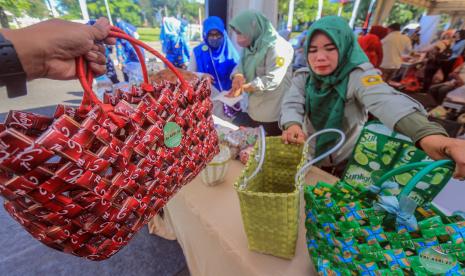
[139, 54]
[89, 97]
[310, 162]
[261, 154]
[428, 166]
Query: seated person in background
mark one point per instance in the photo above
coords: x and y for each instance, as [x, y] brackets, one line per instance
[436, 53]
[415, 37]
[455, 79]
[446, 60]
[217, 57]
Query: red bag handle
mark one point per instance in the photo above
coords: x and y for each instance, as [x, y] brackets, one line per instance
[86, 79]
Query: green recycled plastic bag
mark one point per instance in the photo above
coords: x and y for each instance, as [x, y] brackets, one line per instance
[379, 150]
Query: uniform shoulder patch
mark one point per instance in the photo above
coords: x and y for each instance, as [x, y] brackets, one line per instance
[204, 48]
[372, 80]
[280, 61]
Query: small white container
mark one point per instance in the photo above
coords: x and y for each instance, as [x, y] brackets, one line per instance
[215, 171]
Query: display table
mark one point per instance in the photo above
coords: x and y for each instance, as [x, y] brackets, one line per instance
[208, 225]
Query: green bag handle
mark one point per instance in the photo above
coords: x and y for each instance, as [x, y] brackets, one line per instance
[428, 166]
[419, 176]
[310, 162]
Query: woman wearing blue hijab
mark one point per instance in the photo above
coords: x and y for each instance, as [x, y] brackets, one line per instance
[217, 57]
[174, 42]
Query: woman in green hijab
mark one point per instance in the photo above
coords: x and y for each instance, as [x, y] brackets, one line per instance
[338, 90]
[263, 71]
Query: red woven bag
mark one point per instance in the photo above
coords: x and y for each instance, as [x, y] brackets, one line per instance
[85, 181]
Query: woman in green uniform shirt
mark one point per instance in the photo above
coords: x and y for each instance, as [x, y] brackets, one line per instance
[264, 71]
[341, 86]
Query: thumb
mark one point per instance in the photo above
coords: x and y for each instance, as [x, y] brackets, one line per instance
[101, 29]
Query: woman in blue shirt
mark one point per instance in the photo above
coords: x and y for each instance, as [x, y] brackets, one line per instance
[217, 57]
[124, 50]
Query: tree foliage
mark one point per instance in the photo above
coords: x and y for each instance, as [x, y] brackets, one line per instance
[38, 9]
[306, 10]
[178, 8]
[127, 10]
[137, 12]
[70, 9]
[18, 8]
[404, 13]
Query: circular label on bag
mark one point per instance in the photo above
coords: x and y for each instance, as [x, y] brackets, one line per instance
[436, 261]
[172, 134]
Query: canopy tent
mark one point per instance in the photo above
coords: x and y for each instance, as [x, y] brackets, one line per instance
[455, 8]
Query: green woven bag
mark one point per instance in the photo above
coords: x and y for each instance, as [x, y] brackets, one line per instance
[269, 195]
[384, 229]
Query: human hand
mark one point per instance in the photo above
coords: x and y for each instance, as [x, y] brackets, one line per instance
[48, 49]
[209, 77]
[236, 87]
[248, 88]
[442, 147]
[294, 135]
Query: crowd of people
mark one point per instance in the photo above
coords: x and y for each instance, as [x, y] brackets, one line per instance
[442, 70]
[337, 88]
[343, 79]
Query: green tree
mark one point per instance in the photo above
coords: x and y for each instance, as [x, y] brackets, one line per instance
[38, 9]
[127, 10]
[179, 8]
[32, 8]
[403, 13]
[306, 10]
[70, 9]
[148, 13]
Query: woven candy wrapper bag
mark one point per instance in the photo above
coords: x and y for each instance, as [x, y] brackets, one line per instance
[85, 181]
[269, 191]
[385, 228]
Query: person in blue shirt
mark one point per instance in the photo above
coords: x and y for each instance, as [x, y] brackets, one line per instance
[111, 71]
[174, 42]
[217, 57]
[124, 50]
